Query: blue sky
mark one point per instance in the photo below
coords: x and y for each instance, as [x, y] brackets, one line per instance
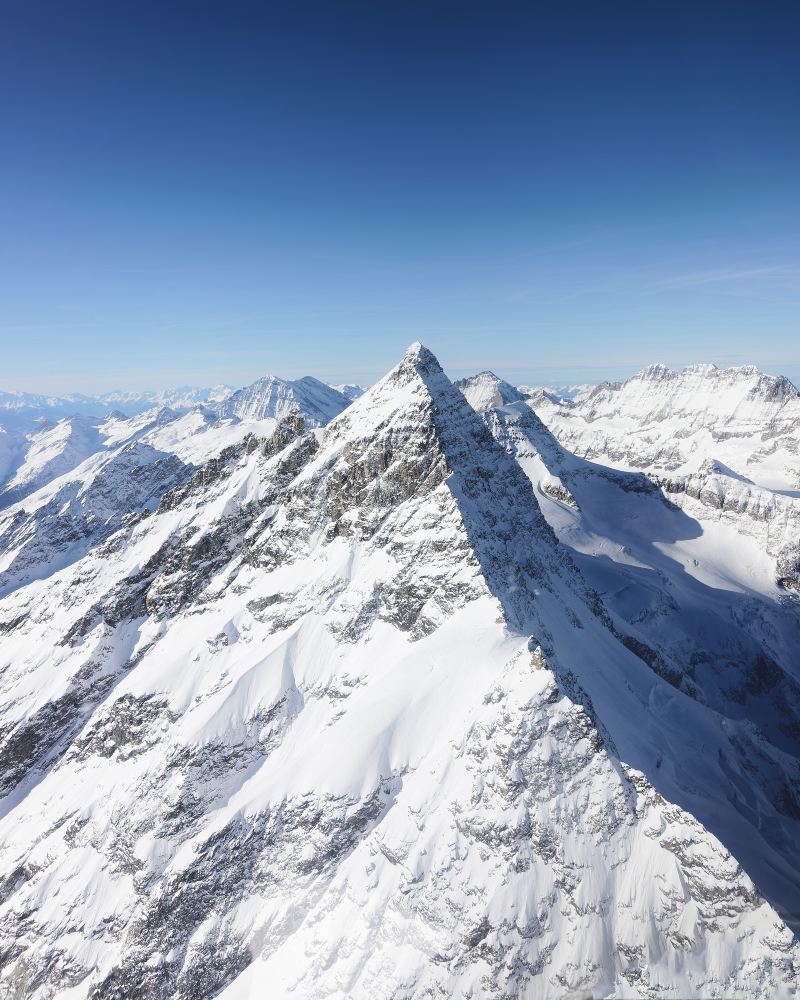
[560, 191]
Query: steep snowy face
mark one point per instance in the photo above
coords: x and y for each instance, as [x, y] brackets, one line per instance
[42, 437]
[700, 603]
[341, 717]
[699, 395]
[275, 397]
[11, 447]
[131, 464]
[76, 481]
[50, 453]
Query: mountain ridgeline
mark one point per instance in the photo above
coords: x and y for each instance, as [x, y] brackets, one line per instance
[435, 692]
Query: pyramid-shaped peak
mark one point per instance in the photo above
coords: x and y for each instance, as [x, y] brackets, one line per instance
[418, 371]
[421, 358]
[409, 390]
[273, 397]
[415, 349]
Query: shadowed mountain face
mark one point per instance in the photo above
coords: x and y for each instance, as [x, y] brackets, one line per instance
[726, 645]
[343, 717]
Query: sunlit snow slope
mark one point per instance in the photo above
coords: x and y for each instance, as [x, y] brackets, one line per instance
[723, 444]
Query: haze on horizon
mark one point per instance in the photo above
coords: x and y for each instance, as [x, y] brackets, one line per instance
[559, 192]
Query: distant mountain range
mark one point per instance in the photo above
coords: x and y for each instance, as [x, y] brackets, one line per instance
[22, 411]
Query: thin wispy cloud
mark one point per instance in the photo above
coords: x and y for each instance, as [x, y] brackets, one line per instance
[788, 274]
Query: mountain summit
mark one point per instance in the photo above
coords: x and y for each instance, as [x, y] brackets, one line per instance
[275, 397]
[342, 718]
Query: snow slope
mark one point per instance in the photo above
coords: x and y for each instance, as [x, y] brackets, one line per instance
[342, 717]
[10, 447]
[72, 483]
[698, 601]
[673, 422]
[486, 390]
[49, 453]
[42, 437]
[724, 445]
[350, 390]
[131, 463]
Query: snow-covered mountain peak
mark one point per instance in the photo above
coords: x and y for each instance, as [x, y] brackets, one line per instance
[273, 397]
[655, 373]
[486, 390]
[340, 718]
[704, 395]
[404, 394]
[417, 358]
[416, 348]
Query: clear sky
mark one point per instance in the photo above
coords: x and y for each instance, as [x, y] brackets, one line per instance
[561, 191]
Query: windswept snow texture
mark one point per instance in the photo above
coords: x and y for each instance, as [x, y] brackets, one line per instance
[341, 717]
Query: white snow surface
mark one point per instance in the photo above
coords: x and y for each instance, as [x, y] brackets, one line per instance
[24, 411]
[723, 444]
[674, 422]
[350, 389]
[275, 397]
[43, 437]
[485, 390]
[342, 717]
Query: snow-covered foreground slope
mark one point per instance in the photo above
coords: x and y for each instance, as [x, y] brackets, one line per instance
[342, 718]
